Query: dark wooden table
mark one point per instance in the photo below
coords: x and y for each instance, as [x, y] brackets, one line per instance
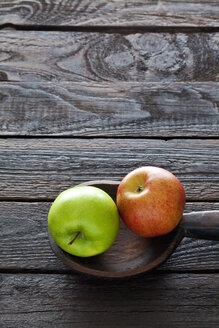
[91, 90]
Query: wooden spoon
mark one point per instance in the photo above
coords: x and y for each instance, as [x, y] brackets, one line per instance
[131, 254]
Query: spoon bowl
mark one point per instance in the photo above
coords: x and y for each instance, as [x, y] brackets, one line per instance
[130, 254]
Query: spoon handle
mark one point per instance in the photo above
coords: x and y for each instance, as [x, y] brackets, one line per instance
[201, 225]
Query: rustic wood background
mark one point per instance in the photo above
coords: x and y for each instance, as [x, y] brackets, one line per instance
[91, 90]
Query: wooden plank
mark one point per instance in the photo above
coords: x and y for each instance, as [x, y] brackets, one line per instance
[172, 300]
[143, 57]
[109, 109]
[24, 242]
[114, 13]
[41, 168]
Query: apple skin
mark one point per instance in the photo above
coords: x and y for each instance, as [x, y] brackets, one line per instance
[151, 201]
[88, 210]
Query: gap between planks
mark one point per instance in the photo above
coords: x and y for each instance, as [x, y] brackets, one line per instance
[71, 272]
[55, 136]
[45, 200]
[112, 29]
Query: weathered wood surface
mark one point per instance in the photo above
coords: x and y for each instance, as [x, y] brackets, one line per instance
[24, 242]
[109, 109]
[171, 300]
[115, 12]
[114, 85]
[41, 168]
[157, 57]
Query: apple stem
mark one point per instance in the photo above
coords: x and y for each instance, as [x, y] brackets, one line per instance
[140, 189]
[75, 237]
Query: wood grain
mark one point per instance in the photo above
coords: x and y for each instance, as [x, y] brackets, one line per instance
[175, 300]
[143, 57]
[24, 242]
[115, 12]
[109, 109]
[41, 168]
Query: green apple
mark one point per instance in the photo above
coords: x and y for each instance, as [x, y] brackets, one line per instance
[84, 221]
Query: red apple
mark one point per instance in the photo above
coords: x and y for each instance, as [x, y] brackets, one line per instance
[151, 201]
